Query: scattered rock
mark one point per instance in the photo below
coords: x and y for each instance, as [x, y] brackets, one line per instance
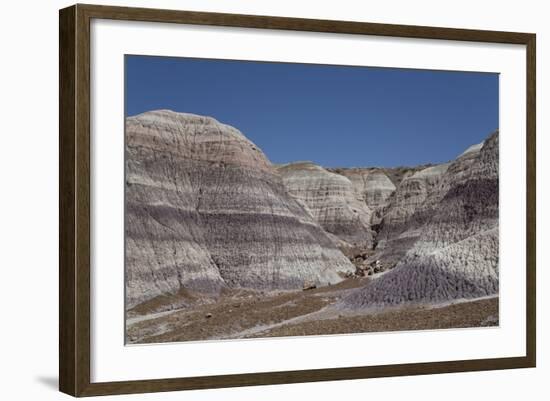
[490, 321]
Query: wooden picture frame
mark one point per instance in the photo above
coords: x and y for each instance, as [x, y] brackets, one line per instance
[74, 199]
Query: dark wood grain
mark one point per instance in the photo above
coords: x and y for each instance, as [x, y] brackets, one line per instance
[67, 290]
[74, 205]
[82, 192]
[74, 199]
[531, 228]
[301, 376]
[301, 24]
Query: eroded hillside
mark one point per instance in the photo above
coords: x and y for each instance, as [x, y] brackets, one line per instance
[208, 216]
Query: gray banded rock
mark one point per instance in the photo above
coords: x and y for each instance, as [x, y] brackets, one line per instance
[455, 255]
[206, 210]
[331, 200]
[370, 185]
[407, 211]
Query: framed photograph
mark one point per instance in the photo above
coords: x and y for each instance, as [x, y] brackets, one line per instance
[250, 200]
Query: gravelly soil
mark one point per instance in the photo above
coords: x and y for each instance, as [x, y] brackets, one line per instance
[248, 314]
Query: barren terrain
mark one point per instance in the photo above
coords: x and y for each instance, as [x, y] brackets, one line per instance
[222, 244]
[250, 314]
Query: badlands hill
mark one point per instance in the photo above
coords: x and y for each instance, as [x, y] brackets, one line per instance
[331, 199]
[444, 223]
[206, 210]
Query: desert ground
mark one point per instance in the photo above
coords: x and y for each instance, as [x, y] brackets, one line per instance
[249, 314]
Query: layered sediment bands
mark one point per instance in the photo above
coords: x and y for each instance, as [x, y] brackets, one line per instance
[398, 174]
[455, 255]
[206, 210]
[331, 201]
[371, 186]
[378, 188]
[408, 209]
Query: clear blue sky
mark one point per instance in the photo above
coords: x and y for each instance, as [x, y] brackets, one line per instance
[336, 116]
